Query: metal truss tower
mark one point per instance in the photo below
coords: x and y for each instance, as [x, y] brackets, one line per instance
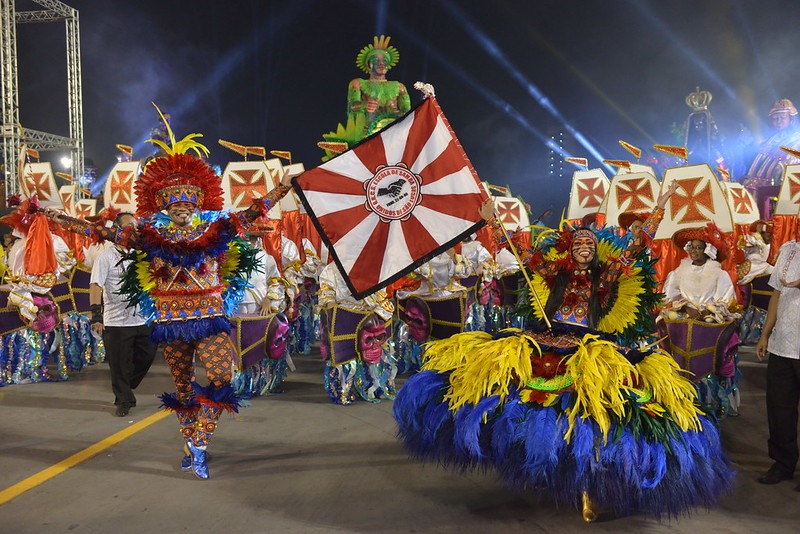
[12, 134]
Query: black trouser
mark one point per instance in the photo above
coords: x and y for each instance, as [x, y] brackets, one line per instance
[129, 353]
[783, 395]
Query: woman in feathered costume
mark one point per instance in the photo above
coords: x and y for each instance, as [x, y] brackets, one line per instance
[190, 271]
[572, 408]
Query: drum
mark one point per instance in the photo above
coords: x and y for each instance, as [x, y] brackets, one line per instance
[79, 285]
[696, 346]
[760, 292]
[62, 295]
[345, 329]
[249, 337]
[439, 317]
[471, 283]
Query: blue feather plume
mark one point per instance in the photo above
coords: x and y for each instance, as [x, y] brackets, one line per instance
[189, 330]
[468, 424]
[506, 425]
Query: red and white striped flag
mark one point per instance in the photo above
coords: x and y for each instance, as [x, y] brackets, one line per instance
[394, 201]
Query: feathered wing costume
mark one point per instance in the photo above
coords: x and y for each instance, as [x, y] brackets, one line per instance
[571, 411]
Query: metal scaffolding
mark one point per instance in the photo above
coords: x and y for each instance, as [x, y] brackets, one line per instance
[13, 134]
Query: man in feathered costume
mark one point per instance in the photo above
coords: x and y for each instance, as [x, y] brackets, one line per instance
[577, 409]
[190, 269]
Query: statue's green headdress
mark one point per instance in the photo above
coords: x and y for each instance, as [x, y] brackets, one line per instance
[379, 45]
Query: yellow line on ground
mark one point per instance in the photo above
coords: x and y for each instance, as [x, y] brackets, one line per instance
[55, 470]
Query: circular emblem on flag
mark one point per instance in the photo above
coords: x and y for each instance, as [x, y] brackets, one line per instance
[393, 192]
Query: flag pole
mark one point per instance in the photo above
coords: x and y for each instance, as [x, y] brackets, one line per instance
[525, 273]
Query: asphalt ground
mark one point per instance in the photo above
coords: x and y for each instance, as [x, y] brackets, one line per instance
[296, 463]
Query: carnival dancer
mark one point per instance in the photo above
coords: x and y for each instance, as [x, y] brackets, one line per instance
[432, 306]
[568, 410]
[767, 167]
[38, 264]
[700, 290]
[353, 341]
[480, 269]
[753, 274]
[291, 262]
[305, 328]
[500, 295]
[372, 103]
[188, 274]
[631, 222]
[265, 295]
[699, 279]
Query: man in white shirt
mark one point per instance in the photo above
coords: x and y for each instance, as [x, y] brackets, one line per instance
[126, 337]
[781, 339]
[267, 292]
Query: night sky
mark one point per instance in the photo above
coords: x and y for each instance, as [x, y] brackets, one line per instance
[274, 73]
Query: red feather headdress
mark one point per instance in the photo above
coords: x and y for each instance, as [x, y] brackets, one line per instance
[177, 177]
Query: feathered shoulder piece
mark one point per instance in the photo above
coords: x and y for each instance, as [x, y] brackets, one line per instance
[177, 177]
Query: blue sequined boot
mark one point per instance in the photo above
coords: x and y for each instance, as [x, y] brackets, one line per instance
[186, 462]
[198, 461]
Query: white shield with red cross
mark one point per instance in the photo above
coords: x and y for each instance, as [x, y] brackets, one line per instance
[67, 193]
[242, 181]
[698, 200]
[789, 194]
[119, 191]
[589, 188]
[512, 212]
[38, 179]
[635, 192]
[86, 207]
[741, 203]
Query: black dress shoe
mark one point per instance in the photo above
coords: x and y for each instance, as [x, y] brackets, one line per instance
[123, 409]
[774, 476]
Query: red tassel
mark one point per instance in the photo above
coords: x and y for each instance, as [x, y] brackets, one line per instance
[40, 255]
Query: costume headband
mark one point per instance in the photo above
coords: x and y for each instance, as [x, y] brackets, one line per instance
[177, 177]
[584, 232]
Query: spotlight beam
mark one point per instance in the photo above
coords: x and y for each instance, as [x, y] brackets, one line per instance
[583, 78]
[219, 73]
[674, 40]
[495, 100]
[494, 51]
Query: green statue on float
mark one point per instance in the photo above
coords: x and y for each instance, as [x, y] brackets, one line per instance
[372, 103]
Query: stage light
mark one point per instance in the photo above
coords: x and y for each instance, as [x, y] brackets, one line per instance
[66, 162]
